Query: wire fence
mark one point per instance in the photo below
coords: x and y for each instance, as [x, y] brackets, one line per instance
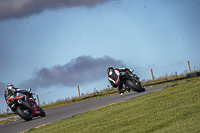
[182, 68]
[195, 65]
[165, 71]
[3, 108]
[73, 92]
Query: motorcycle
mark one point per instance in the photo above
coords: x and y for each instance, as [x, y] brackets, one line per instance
[26, 110]
[131, 82]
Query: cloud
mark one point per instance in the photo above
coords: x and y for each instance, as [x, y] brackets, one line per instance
[77, 71]
[24, 8]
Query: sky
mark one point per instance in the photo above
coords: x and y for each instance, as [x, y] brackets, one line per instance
[47, 43]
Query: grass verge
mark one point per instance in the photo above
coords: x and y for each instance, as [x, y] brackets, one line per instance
[174, 109]
[6, 121]
[7, 115]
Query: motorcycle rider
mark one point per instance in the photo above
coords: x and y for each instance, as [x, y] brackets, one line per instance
[12, 92]
[114, 77]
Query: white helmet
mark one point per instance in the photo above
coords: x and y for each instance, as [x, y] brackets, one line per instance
[10, 86]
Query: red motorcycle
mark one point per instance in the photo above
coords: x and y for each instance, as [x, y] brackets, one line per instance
[18, 104]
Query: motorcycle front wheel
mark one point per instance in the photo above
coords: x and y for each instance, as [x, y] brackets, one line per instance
[133, 86]
[42, 112]
[24, 113]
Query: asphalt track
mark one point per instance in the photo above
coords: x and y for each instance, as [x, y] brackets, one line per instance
[66, 111]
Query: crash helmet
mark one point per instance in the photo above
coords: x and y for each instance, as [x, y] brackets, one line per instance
[110, 68]
[10, 86]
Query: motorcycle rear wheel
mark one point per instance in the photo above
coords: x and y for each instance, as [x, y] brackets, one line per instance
[22, 112]
[133, 86]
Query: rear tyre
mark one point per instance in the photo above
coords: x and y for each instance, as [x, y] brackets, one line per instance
[133, 86]
[24, 113]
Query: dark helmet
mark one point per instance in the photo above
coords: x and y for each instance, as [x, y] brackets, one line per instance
[110, 68]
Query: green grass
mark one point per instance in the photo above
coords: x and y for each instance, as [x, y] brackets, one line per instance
[106, 92]
[6, 115]
[174, 109]
[5, 121]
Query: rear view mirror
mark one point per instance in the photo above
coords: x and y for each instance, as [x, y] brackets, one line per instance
[29, 89]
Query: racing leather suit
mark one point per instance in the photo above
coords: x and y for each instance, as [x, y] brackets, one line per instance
[114, 78]
[11, 93]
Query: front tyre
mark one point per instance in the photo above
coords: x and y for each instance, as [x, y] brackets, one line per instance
[42, 112]
[141, 86]
[24, 113]
[133, 86]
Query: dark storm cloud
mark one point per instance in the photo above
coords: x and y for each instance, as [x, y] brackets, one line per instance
[79, 70]
[24, 8]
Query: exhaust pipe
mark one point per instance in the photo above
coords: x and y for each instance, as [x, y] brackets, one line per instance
[25, 104]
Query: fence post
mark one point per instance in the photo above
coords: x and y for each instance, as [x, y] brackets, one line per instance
[189, 66]
[7, 110]
[38, 100]
[152, 74]
[78, 91]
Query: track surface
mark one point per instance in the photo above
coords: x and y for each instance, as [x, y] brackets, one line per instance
[62, 112]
